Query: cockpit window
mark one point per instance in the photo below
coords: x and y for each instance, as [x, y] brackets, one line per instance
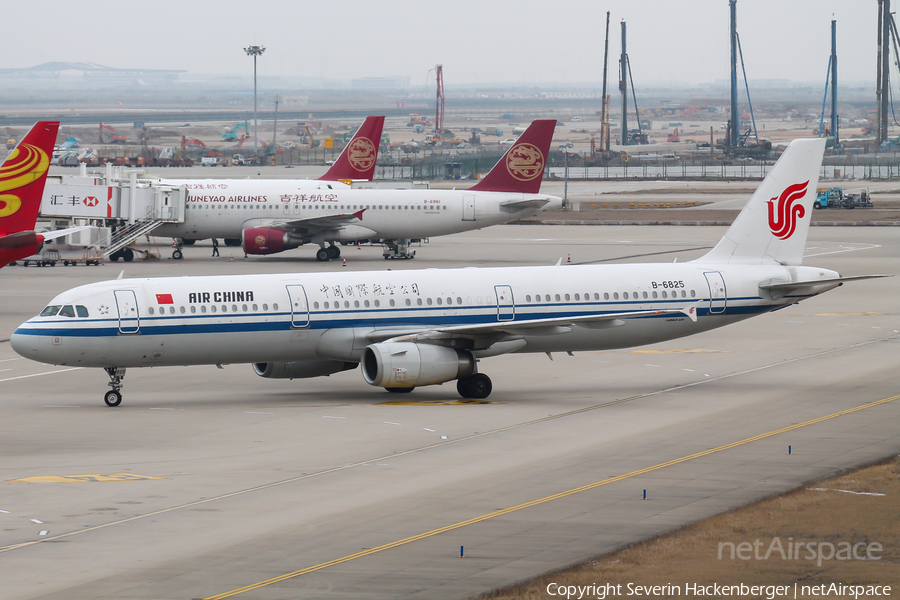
[81, 310]
[67, 311]
[50, 311]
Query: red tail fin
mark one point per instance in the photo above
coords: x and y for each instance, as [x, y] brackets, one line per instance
[22, 178]
[357, 161]
[522, 167]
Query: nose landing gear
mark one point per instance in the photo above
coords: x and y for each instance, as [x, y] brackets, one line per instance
[114, 397]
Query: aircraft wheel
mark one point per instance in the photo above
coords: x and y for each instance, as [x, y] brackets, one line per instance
[113, 398]
[333, 252]
[477, 386]
[397, 390]
[462, 387]
[177, 255]
[322, 254]
[128, 255]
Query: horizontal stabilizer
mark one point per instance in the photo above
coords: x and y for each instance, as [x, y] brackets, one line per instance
[788, 287]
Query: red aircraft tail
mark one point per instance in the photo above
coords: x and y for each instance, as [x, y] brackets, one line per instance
[522, 167]
[22, 178]
[357, 161]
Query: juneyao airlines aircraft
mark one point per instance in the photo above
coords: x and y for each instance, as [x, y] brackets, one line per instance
[22, 178]
[355, 163]
[427, 327]
[271, 219]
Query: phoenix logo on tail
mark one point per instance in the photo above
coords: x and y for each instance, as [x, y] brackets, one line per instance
[783, 218]
[23, 166]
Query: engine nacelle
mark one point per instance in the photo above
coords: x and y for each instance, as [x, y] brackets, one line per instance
[301, 369]
[264, 240]
[407, 364]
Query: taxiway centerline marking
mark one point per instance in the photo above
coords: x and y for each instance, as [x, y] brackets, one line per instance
[443, 442]
[545, 499]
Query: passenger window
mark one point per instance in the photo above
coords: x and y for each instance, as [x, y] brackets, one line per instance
[203, 309]
[547, 298]
[625, 295]
[428, 301]
[171, 310]
[67, 311]
[150, 310]
[654, 294]
[366, 303]
[419, 301]
[377, 304]
[458, 300]
[439, 302]
[265, 307]
[244, 307]
[606, 295]
[577, 297]
[597, 296]
[693, 293]
[391, 302]
[567, 297]
[645, 295]
[81, 310]
[356, 304]
[346, 304]
[527, 298]
[193, 309]
[274, 306]
[181, 309]
[615, 295]
[224, 308]
[665, 295]
[255, 308]
[316, 305]
[557, 297]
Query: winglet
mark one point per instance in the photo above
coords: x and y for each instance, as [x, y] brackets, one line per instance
[690, 312]
[522, 167]
[358, 214]
[357, 161]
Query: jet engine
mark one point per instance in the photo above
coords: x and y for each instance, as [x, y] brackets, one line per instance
[407, 364]
[263, 240]
[301, 369]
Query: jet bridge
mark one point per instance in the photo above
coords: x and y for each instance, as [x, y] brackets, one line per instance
[127, 204]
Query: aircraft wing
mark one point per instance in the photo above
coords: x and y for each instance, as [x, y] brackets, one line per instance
[514, 205]
[52, 235]
[319, 222]
[499, 329]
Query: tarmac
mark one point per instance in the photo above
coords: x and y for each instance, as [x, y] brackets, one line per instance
[214, 483]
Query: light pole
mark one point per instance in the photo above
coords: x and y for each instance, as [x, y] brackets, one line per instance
[255, 51]
[565, 148]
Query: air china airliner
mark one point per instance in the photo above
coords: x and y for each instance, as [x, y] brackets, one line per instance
[415, 328]
[268, 217]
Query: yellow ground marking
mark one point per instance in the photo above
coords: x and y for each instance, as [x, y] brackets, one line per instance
[682, 351]
[545, 499]
[441, 444]
[435, 402]
[86, 478]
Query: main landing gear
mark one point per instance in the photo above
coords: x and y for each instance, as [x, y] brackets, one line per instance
[328, 252]
[114, 397]
[398, 249]
[477, 386]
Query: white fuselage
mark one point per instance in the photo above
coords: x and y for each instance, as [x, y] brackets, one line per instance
[334, 316]
[224, 209]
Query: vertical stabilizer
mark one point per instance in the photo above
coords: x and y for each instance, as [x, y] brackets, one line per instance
[357, 161]
[22, 178]
[522, 167]
[774, 224]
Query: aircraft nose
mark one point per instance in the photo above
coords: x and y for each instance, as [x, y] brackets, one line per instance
[24, 345]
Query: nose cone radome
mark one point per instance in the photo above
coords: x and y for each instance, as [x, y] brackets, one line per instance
[23, 344]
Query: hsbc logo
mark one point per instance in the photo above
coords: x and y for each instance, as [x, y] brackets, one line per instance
[90, 201]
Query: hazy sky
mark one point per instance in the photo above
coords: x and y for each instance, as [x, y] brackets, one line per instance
[478, 41]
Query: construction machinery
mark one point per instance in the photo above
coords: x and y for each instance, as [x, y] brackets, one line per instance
[113, 137]
[232, 134]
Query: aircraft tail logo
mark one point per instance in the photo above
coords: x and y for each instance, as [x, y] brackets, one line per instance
[361, 153]
[521, 169]
[26, 164]
[783, 218]
[525, 162]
